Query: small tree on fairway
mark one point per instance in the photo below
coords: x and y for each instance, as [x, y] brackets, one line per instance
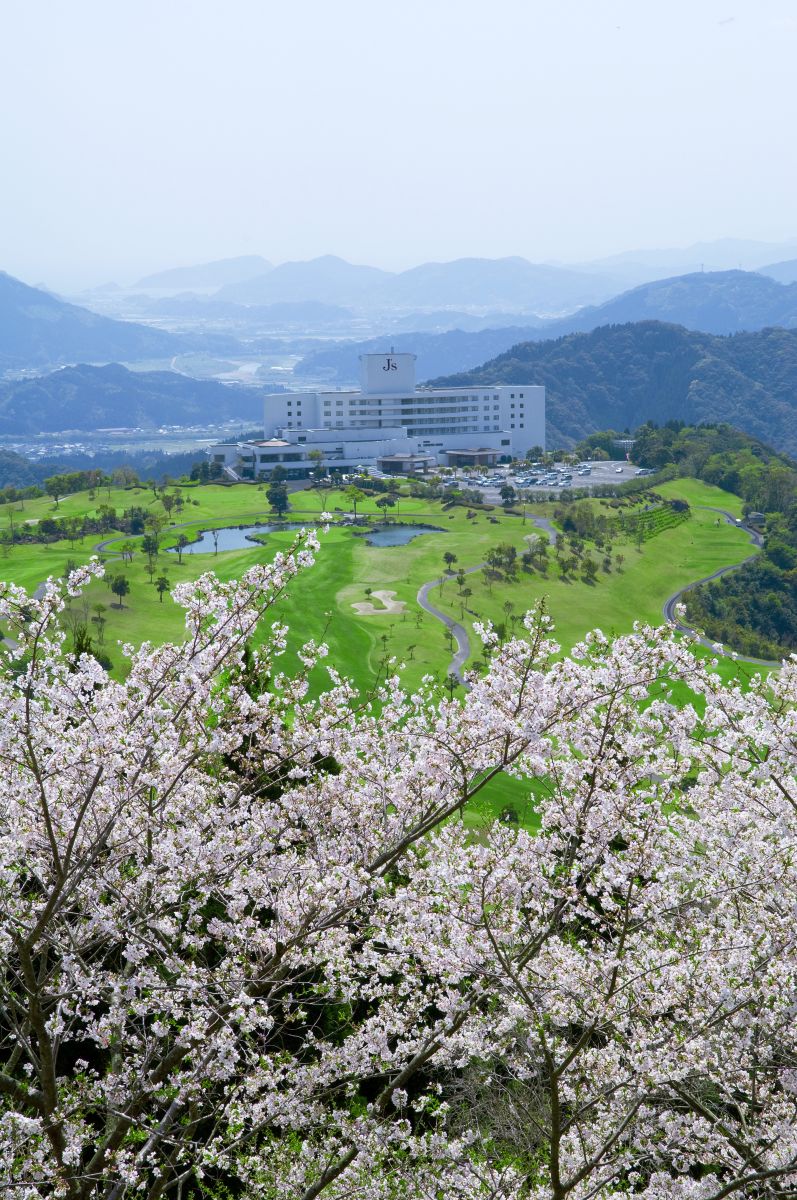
[99, 621]
[54, 488]
[182, 542]
[590, 569]
[449, 559]
[355, 496]
[385, 502]
[278, 499]
[120, 586]
[162, 584]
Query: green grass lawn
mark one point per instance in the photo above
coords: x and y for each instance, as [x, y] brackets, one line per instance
[635, 591]
[695, 492]
[319, 602]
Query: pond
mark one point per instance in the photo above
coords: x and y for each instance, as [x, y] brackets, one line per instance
[244, 537]
[236, 538]
[398, 535]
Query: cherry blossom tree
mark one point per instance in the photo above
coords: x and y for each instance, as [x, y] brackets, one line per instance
[249, 947]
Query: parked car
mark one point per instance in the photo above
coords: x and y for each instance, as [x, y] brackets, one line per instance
[618, 470]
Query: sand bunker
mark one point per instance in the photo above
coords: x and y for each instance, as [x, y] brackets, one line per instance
[366, 609]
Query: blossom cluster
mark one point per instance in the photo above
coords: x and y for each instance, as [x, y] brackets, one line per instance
[247, 942]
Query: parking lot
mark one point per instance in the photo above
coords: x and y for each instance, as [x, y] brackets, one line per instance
[551, 480]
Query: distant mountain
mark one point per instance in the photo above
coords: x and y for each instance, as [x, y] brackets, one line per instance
[784, 272]
[642, 266]
[329, 279]
[206, 276]
[617, 377]
[513, 284]
[37, 329]
[711, 301]
[456, 350]
[86, 397]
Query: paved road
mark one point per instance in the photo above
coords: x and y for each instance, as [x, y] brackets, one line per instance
[458, 630]
[670, 603]
[545, 525]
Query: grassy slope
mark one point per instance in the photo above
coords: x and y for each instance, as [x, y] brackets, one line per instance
[637, 591]
[347, 565]
[695, 492]
[319, 604]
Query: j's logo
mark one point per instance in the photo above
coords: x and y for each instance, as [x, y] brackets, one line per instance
[390, 365]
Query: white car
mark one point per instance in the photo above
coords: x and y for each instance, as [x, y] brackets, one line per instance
[618, 470]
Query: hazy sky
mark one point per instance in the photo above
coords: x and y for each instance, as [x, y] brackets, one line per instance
[142, 134]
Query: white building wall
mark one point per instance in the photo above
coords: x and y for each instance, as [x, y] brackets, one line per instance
[429, 414]
[509, 418]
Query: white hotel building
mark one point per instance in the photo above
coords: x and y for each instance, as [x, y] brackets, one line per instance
[390, 424]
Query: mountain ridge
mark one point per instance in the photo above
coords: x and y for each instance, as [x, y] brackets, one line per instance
[719, 302]
[619, 376]
[38, 329]
[214, 274]
[91, 397]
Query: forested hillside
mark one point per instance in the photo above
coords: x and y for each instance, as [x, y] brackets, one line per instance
[620, 376]
[710, 301]
[86, 397]
[752, 609]
[38, 329]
